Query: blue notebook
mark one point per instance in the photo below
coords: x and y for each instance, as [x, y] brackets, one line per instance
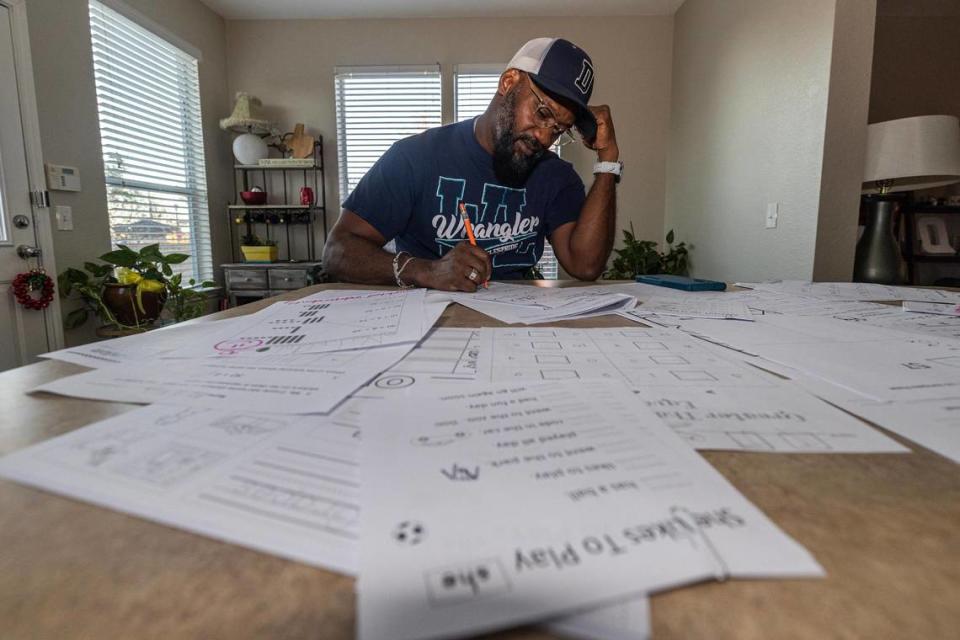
[682, 282]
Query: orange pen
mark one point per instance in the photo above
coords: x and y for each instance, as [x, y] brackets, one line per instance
[469, 227]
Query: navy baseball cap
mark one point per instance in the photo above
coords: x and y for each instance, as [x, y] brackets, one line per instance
[563, 69]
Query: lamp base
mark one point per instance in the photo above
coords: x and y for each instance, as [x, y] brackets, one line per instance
[249, 148]
[878, 257]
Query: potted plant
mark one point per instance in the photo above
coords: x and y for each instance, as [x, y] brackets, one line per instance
[256, 249]
[132, 289]
[641, 257]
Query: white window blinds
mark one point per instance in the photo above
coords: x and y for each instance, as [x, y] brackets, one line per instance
[376, 106]
[148, 100]
[474, 87]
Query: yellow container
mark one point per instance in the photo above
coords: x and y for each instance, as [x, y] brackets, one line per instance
[259, 254]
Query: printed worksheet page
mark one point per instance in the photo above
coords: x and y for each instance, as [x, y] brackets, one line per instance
[284, 485]
[141, 347]
[879, 364]
[525, 304]
[325, 321]
[294, 384]
[711, 398]
[511, 503]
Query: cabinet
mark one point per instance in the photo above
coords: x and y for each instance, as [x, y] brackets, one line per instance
[283, 218]
[247, 281]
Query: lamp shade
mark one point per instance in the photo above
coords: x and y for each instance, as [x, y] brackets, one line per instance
[246, 116]
[912, 153]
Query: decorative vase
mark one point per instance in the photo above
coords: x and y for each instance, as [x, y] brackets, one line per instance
[878, 257]
[121, 300]
[250, 148]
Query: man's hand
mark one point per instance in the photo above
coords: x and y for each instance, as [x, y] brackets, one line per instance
[605, 144]
[452, 271]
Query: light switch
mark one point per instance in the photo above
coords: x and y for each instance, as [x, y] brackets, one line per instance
[773, 212]
[64, 218]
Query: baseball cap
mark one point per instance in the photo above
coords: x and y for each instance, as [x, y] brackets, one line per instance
[563, 69]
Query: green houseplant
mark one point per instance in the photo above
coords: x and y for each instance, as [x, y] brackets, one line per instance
[132, 289]
[641, 257]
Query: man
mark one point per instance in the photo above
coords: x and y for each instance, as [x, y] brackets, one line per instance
[498, 166]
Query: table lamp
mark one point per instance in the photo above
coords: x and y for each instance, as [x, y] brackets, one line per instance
[249, 147]
[902, 155]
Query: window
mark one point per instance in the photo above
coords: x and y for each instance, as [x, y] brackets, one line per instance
[474, 87]
[376, 106]
[148, 101]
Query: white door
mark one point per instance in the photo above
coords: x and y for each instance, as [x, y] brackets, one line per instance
[24, 333]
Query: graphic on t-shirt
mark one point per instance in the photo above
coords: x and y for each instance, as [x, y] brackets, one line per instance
[499, 223]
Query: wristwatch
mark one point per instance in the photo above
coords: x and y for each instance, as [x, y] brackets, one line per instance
[616, 168]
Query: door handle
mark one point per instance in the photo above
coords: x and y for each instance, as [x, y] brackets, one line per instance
[27, 252]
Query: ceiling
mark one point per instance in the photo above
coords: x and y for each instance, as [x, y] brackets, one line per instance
[300, 9]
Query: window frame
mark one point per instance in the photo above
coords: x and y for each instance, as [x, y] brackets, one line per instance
[185, 163]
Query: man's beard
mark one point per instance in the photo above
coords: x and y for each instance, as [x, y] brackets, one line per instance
[510, 166]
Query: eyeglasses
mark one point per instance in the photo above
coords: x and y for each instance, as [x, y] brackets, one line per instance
[544, 118]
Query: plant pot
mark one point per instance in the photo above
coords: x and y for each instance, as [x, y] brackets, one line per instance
[259, 253]
[121, 300]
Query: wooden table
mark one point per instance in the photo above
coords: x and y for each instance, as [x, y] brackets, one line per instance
[885, 527]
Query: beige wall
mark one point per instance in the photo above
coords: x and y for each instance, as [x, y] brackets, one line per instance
[845, 140]
[69, 130]
[289, 65]
[750, 86]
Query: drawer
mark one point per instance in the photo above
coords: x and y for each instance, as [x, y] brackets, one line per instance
[288, 278]
[247, 278]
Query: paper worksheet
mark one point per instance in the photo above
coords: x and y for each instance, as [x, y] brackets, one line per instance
[293, 384]
[881, 316]
[510, 503]
[625, 621]
[524, 304]
[326, 321]
[140, 347]
[284, 485]
[879, 364]
[854, 291]
[710, 398]
[713, 307]
[932, 423]
[716, 402]
[938, 308]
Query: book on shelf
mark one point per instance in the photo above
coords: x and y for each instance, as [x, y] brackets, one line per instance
[306, 163]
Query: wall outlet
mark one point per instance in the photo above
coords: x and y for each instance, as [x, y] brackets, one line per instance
[773, 213]
[64, 218]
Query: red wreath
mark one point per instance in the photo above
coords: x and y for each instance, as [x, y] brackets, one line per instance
[25, 284]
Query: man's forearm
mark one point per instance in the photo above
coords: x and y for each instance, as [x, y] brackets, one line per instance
[592, 238]
[351, 259]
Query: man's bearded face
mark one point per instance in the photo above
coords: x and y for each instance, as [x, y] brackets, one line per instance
[514, 154]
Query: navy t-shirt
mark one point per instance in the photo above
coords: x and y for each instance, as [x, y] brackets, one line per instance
[413, 195]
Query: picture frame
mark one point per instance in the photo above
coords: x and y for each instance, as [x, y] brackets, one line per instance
[932, 236]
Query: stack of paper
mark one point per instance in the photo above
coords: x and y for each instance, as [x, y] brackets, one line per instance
[907, 383]
[522, 304]
[297, 357]
[708, 396]
[718, 308]
[506, 475]
[508, 503]
[854, 291]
